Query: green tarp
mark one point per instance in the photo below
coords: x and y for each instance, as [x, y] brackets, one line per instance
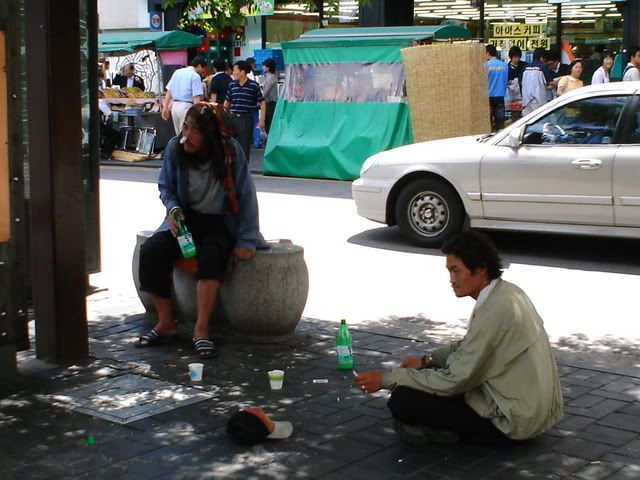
[316, 137]
[130, 42]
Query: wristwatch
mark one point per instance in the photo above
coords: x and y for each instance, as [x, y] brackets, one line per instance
[426, 361]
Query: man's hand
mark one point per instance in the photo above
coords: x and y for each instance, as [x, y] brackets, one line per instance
[165, 114]
[370, 382]
[412, 362]
[243, 253]
[173, 224]
[261, 124]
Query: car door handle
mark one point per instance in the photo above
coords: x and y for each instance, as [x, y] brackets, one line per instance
[587, 163]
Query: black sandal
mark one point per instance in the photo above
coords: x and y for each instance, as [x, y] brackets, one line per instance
[152, 338]
[204, 347]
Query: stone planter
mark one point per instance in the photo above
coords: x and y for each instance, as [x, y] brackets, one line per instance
[262, 299]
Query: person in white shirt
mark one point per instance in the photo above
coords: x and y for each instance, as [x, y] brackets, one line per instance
[631, 72]
[602, 74]
[183, 91]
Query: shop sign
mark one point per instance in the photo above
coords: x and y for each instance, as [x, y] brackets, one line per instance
[518, 29]
[257, 8]
[155, 21]
[522, 42]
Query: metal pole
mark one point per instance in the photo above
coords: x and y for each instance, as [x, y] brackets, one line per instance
[481, 26]
[559, 28]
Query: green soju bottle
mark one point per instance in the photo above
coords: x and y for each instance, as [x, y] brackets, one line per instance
[344, 347]
[185, 240]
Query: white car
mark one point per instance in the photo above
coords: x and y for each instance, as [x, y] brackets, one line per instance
[572, 166]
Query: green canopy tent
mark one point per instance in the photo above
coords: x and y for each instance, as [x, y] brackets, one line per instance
[343, 99]
[123, 43]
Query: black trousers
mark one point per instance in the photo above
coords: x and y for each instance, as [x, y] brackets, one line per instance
[496, 106]
[416, 407]
[159, 253]
[243, 127]
[271, 107]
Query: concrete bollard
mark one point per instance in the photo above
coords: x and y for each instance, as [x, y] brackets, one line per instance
[261, 300]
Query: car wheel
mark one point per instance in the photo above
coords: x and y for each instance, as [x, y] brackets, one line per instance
[429, 212]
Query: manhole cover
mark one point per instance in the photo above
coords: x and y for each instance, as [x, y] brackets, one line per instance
[127, 398]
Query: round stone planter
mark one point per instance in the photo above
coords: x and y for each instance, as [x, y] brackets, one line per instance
[262, 299]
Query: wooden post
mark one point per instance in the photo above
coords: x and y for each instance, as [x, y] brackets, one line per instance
[57, 193]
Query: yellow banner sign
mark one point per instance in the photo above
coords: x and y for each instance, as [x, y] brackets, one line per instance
[518, 29]
[523, 42]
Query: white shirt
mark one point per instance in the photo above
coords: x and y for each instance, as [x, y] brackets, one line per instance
[483, 295]
[600, 76]
[632, 75]
[185, 84]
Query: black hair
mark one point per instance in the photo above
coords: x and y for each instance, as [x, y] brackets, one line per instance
[553, 55]
[220, 64]
[632, 52]
[204, 120]
[573, 63]
[251, 62]
[476, 251]
[270, 64]
[538, 53]
[515, 52]
[608, 54]
[199, 60]
[491, 50]
[242, 65]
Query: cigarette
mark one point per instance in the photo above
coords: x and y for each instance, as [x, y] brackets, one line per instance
[355, 374]
[183, 140]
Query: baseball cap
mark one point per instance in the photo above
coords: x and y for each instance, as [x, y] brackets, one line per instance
[252, 425]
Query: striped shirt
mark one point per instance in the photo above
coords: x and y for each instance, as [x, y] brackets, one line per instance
[243, 99]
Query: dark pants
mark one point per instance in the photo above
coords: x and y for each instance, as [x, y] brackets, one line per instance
[415, 407]
[271, 107]
[496, 106]
[242, 124]
[159, 253]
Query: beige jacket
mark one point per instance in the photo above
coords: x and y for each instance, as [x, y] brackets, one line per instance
[504, 366]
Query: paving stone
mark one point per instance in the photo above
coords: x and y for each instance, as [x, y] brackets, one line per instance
[574, 423]
[555, 462]
[585, 401]
[602, 409]
[623, 397]
[582, 448]
[571, 390]
[598, 470]
[622, 421]
[626, 473]
[610, 436]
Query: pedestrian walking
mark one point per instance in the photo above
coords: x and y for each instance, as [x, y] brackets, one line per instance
[183, 91]
[571, 81]
[498, 384]
[270, 90]
[497, 78]
[218, 83]
[242, 97]
[603, 74]
[535, 79]
[631, 72]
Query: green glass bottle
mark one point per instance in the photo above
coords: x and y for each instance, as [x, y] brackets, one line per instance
[344, 347]
[185, 240]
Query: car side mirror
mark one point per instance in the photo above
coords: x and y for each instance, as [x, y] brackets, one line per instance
[515, 137]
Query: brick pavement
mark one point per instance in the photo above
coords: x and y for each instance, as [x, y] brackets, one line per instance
[339, 433]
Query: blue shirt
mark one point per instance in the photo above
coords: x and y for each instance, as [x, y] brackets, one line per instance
[185, 84]
[497, 76]
[244, 98]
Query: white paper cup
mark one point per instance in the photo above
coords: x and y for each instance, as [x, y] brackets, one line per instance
[195, 371]
[276, 377]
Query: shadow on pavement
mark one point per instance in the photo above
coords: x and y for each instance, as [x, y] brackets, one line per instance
[597, 254]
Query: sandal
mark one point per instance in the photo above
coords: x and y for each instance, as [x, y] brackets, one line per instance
[152, 338]
[204, 347]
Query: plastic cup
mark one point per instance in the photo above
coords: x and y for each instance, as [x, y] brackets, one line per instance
[195, 371]
[276, 377]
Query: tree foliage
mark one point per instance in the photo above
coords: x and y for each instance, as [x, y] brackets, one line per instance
[216, 15]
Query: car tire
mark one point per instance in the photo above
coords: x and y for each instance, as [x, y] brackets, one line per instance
[429, 212]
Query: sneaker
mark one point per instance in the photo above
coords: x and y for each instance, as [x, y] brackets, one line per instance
[420, 435]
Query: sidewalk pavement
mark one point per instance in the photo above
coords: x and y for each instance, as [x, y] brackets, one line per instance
[339, 432]
[255, 162]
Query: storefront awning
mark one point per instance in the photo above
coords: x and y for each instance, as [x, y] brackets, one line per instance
[132, 41]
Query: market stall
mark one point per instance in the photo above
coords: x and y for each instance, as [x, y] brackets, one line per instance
[344, 99]
[137, 112]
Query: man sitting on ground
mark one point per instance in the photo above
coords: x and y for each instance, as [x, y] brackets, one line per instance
[499, 383]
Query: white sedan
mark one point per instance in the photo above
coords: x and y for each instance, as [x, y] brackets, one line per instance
[572, 166]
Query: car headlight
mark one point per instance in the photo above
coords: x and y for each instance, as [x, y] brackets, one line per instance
[368, 163]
